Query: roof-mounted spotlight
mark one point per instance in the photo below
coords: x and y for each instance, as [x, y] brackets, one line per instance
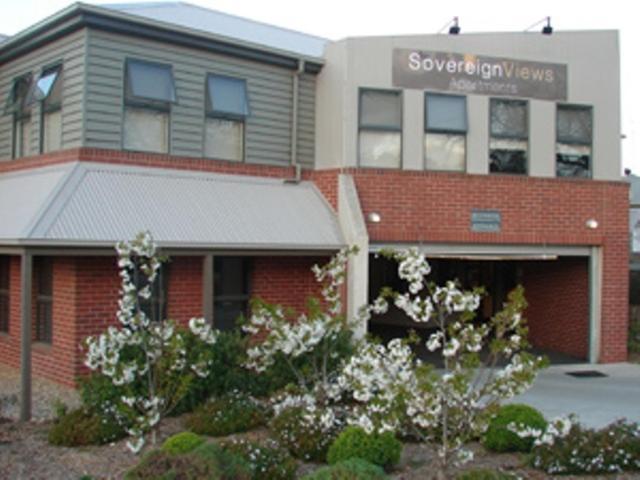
[547, 29]
[454, 27]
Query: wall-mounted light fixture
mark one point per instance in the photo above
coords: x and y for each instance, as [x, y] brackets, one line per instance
[374, 217]
[592, 223]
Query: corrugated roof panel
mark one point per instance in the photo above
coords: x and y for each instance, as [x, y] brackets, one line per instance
[219, 23]
[103, 204]
[24, 195]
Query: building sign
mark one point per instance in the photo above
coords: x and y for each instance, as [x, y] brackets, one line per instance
[486, 221]
[478, 75]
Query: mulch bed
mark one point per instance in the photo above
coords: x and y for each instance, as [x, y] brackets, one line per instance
[26, 454]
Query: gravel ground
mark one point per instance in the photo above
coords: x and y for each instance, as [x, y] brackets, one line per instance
[45, 394]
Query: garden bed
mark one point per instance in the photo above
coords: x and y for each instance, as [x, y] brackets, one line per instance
[25, 453]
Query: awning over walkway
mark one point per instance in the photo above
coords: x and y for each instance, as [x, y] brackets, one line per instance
[94, 204]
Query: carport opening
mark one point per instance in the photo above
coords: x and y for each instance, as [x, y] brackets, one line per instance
[556, 290]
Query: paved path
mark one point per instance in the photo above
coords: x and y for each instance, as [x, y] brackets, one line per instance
[596, 401]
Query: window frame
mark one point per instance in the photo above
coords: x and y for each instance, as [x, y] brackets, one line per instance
[5, 294]
[443, 131]
[247, 269]
[526, 103]
[129, 100]
[210, 113]
[46, 107]
[43, 332]
[19, 115]
[370, 128]
[574, 106]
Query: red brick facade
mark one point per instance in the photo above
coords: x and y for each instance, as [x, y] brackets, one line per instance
[416, 207]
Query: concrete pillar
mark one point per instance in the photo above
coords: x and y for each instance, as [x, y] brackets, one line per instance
[354, 230]
[26, 283]
[595, 303]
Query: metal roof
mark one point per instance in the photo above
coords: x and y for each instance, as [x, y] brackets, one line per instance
[231, 26]
[93, 204]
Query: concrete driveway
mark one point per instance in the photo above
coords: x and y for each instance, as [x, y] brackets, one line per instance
[597, 401]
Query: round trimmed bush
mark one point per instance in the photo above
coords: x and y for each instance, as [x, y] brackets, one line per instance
[266, 460]
[182, 442]
[305, 440]
[380, 449]
[498, 436]
[352, 469]
[232, 413]
[83, 427]
[206, 461]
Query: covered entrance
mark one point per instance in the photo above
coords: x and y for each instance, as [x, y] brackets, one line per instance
[558, 287]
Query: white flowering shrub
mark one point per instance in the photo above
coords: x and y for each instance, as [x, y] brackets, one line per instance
[146, 361]
[565, 447]
[451, 407]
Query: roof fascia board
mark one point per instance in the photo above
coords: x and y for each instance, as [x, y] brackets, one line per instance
[81, 15]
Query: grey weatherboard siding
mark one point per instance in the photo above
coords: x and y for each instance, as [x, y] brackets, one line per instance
[71, 51]
[268, 128]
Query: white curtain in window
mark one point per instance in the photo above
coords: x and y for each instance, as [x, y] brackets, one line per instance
[52, 139]
[380, 149]
[224, 139]
[146, 130]
[444, 151]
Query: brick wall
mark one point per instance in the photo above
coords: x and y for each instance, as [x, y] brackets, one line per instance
[184, 296]
[558, 295]
[424, 207]
[285, 281]
[10, 342]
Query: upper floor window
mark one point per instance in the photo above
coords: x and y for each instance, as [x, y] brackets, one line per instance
[47, 89]
[380, 128]
[509, 140]
[445, 132]
[227, 107]
[574, 126]
[19, 107]
[4, 293]
[149, 92]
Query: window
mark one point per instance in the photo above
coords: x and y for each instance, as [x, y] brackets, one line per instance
[48, 90]
[380, 129]
[227, 107]
[231, 290]
[634, 229]
[18, 106]
[149, 93]
[508, 144]
[445, 132]
[154, 307]
[574, 126]
[44, 300]
[4, 293]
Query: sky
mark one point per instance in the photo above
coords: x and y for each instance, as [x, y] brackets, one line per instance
[335, 19]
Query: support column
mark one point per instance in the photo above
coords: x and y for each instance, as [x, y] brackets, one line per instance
[207, 288]
[595, 303]
[26, 283]
[355, 232]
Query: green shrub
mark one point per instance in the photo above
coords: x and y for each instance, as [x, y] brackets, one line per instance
[500, 438]
[484, 474]
[267, 460]
[380, 449]
[82, 427]
[182, 442]
[305, 440]
[352, 469]
[208, 461]
[613, 449]
[232, 413]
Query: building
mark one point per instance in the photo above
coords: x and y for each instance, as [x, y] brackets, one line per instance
[252, 152]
